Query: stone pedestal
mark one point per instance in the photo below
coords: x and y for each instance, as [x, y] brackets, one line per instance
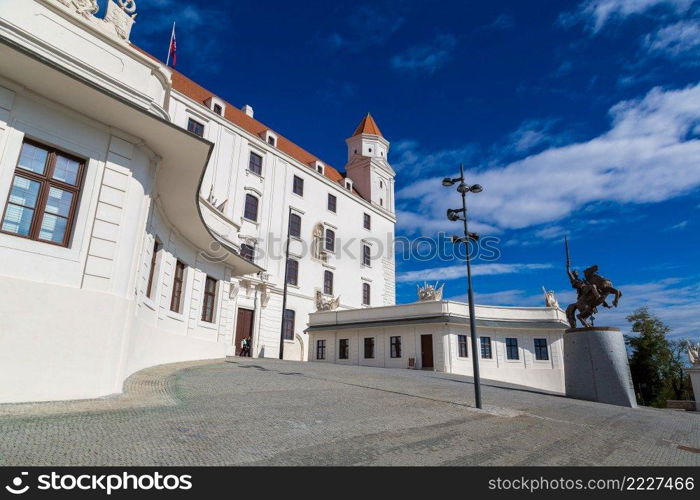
[596, 366]
[694, 373]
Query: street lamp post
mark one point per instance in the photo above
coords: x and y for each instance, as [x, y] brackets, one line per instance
[284, 293]
[454, 215]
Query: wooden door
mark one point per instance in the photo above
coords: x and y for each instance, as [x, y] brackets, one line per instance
[426, 351]
[244, 327]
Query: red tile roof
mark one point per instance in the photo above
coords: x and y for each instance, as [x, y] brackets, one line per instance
[197, 93]
[368, 126]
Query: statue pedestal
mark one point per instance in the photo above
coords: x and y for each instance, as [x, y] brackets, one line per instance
[596, 366]
[694, 373]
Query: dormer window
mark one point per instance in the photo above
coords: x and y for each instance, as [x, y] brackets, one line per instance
[216, 105]
[348, 184]
[270, 137]
[320, 167]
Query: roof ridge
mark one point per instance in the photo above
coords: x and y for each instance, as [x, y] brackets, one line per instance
[193, 90]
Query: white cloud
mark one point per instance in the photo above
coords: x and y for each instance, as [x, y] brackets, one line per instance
[409, 159]
[501, 22]
[458, 271]
[532, 134]
[674, 302]
[649, 154]
[426, 58]
[366, 26]
[597, 13]
[678, 41]
[681, 225]
[410, 223]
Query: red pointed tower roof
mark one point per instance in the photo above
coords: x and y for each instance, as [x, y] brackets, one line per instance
[368, 126]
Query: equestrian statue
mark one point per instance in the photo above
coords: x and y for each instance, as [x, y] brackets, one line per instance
[592, 291]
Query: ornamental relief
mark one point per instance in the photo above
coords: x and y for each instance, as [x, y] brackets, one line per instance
[118, 20]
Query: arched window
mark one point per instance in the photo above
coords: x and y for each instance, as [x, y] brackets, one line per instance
[251, 208]
[330, 240]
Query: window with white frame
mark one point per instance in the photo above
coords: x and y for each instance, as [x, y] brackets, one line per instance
[512, 349]
[541, 351]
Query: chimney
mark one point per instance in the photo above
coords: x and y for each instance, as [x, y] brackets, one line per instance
[248, 110]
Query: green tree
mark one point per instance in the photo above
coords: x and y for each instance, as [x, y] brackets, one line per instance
[678, 381]
[651, 357]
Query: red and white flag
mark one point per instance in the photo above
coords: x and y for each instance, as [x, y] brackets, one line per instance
[172, 50]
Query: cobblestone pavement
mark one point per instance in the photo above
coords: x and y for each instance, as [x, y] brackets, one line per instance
[261, 411]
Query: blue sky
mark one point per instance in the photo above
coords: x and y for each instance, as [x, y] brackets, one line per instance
[580, 118]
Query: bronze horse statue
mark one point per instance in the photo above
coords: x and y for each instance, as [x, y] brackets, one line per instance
[604, 285]
[591, 293]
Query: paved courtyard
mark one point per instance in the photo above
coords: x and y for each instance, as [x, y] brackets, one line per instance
[261, 411]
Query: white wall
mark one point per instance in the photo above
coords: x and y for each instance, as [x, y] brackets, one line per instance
[528, 372]
[228, 179]
[74, 322]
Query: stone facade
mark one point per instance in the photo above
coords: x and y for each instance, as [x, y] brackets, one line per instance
[158, 208]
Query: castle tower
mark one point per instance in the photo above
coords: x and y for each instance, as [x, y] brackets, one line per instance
[368, 167]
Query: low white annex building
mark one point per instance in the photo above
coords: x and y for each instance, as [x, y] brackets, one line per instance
[143, 216]
[518, 345]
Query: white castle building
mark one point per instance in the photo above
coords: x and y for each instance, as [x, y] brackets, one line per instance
[144, 217]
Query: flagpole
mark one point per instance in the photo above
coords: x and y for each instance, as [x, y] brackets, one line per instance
[170, 45]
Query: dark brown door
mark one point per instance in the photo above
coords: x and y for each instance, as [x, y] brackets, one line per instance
[426, 351]
[244, 327]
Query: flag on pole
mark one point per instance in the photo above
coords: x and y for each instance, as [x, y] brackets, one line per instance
[172, 50]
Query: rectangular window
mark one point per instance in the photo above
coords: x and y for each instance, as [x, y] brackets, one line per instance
[366, 294]
[328, 283]
[298, 186]
[332, 203]
[462, 343]
[512, 348]
[255, 163]
[320, 349]
[295, 225]
[152, 271]
[369, 348]
[43, 198]
[486, 347]
[366, 256]
[289, 324]
[330, 240]
[541, 351]
[209, 301]
[250, 211]
[395, 344]
[248, 252]
[344, 349]
[367, 222]
[270, 140]
[178, 280]
[195, 127]
[293, 272]
[218, 109]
